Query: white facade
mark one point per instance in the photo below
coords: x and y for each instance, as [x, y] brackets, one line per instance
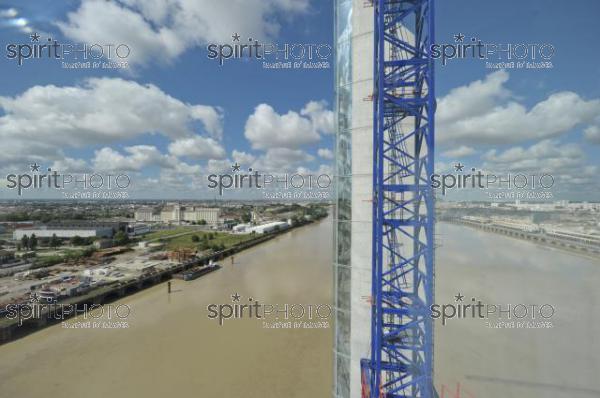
[261, 229]
[362, 193]
[146, 214]
[240, 228]
[84, 232]
[210, 215]
[269, 227]
[177, 214]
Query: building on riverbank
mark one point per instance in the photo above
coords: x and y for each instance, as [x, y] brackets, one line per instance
[178, 214]
[65, 232]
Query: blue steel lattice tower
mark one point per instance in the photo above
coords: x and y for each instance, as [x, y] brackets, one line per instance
[401, 363]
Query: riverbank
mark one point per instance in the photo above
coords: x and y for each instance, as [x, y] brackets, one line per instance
[171, 347]
[574, 246]
[11, 329]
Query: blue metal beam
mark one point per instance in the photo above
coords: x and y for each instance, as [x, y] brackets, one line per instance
[401, 362]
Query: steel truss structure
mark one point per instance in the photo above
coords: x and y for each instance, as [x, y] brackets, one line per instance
[401, 363]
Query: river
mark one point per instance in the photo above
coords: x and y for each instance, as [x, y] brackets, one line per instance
[559, 362]
[172, 349]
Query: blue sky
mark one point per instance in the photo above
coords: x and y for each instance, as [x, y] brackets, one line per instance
[178, 67]
[236, 86]
[214, 117]
[561, 139]
[571, 27]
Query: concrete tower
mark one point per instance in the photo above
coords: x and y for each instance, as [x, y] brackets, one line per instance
[354, 164]
[354, 30]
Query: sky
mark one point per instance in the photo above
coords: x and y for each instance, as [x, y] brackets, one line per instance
[517, 120]
[174, 115]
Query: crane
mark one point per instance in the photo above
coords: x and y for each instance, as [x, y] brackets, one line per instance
[401, 352]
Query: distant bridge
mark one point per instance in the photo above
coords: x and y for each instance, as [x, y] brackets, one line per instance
[587, 244]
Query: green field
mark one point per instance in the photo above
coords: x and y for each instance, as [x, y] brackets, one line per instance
[184, 240]
[164, 234]
[219, 238]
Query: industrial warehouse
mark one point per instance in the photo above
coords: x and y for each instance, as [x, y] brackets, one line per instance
[67, 230]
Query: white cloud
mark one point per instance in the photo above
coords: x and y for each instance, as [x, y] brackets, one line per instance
[9, 18]
[8, 13]
[266, 129]
[459, 152]
[243, 158]
[325, 153]
[281, 136]
[197, 147]
[71, 165]
[484, 113]
[443, 167]
[473, 99]
[321, 117]
[277, 160]
[161, 30]
[211, 117]
[322, 169]
[137, 158]
[592, 134]
[565, 162]
[219, 166]
[547, 156]
[273, 160]
[15, 150]
[43, 120]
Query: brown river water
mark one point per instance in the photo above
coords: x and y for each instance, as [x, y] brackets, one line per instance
[172, 348]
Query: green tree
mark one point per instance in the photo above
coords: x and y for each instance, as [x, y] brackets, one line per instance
[54, 241]
[77, 241]
[246, 217]
[25, 242]
[195, 238]
[33, 242]
[217, 247]
[121, 238]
